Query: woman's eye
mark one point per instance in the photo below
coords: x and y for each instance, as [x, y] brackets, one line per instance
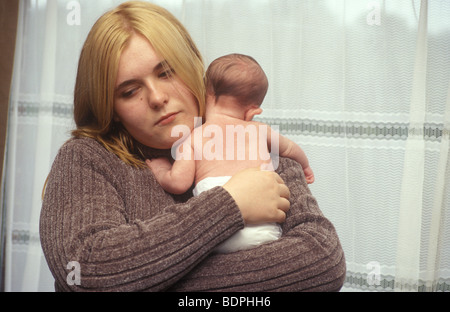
[128, 93]
[167, 73]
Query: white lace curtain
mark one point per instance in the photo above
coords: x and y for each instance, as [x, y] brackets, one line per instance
[362, 86]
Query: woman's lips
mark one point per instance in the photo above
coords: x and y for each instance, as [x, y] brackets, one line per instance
[166, 119]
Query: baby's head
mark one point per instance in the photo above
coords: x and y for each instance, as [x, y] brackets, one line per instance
[239, 76]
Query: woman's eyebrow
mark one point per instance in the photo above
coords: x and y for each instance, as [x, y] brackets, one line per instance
[158, 67]
[126, 83]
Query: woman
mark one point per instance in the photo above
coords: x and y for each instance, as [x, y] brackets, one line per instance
[139, 75]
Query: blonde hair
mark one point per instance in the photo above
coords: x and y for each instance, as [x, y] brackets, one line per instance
[239, 76]
[98, 66]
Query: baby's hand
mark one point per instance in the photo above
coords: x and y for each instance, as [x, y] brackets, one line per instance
[159, 166]
[309, 175]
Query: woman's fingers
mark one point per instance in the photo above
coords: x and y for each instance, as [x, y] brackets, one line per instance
[283, 201]
[261, 196]
[284, 191]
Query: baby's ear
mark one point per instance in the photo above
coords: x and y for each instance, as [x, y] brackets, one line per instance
[251, 112]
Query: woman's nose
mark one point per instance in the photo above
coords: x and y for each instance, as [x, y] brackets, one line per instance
[157, 96]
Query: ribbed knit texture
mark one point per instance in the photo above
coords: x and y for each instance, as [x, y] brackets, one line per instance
[130, 235]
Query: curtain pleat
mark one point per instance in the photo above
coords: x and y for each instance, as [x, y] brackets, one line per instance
[8, 29]
[411, 197]
[437, 223]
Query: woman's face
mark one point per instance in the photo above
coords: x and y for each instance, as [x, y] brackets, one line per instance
[148, 99]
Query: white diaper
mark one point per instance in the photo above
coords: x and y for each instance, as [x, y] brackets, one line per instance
[251, 235]
[209, 183]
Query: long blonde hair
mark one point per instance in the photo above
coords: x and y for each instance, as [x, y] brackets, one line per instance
[98, 66]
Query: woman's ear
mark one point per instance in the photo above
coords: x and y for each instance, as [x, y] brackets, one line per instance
[251, 112]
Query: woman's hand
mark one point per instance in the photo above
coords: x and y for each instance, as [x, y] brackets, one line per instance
[261, 196]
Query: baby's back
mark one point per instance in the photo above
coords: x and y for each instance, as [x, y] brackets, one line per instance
[225, 147]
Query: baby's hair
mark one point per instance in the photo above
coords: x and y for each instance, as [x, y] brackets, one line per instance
[239, 76]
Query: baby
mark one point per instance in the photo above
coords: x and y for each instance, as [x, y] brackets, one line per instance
[229, 141]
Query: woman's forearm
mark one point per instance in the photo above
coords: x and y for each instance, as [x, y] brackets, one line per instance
[123, 238]
[308, 257]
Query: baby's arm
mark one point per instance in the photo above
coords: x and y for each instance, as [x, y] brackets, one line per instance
[178, 177]
[287, 148]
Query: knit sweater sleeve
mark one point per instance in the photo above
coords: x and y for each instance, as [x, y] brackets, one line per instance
[308, 257]
[122, 230]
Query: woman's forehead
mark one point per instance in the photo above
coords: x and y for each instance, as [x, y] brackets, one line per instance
[138, 58]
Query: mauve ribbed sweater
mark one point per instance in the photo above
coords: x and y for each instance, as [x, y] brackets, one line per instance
[127, 234]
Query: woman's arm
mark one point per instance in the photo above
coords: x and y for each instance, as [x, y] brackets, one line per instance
[308, 257]
[123, 229]
[126, 233]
